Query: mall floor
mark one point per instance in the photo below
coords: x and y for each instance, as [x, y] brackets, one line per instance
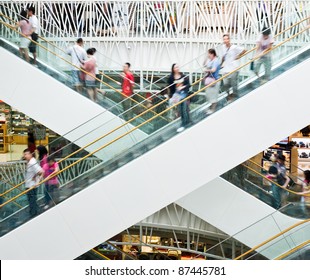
[15, 153]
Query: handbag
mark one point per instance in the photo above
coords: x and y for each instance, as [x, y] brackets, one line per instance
[209, 80]
[176, 98]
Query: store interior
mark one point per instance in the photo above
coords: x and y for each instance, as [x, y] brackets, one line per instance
[18, 131]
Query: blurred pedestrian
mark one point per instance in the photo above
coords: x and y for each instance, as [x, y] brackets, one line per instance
[26, 30]
[35, 28]
[127, 90]
[182, 87]
[52, 184]
[78, 58]
[32, 178]
[212, 69]
[279, 193]
[90, 79]
[264, 45]
[175, 76]
[230, 62]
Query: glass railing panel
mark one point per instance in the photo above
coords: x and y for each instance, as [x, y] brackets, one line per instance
[284, 243]
[269, 238]
[248, 181]
[110, 142]
[109, 93]
[302, 253]
[253, 179]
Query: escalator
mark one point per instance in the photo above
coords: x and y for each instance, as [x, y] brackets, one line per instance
[298, 253]
[291, 243]
[54, 61]
[163, 168]
[246, 209]
[52, 102]
[83, 119]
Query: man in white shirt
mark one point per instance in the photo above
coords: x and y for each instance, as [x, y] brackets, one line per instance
[32, 178]
[230, 61]
[78, 57]
[34, 35]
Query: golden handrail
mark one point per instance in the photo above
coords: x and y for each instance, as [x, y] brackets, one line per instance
[101, 255]
[150, 119]
[262, 167]
[54, 45]
[121, 250]
[81, 69]
[9, 183]
[271, 239]
[275, 183]
[96, 140]
[293, 250]
[249, 51]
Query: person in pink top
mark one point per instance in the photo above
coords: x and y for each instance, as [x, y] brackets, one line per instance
[51, 185]
[90, 79]
[25, 38]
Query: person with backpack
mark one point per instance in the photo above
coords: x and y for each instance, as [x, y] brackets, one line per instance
[51, 185]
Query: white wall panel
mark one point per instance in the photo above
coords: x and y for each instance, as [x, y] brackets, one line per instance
[171, 170]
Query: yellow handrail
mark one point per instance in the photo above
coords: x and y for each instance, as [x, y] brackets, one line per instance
[82, 70]
[291, 175]
[121, 250]
[275, 183]
[9, 183]
[271, 239]
[54, 45]
[262, 167]
[101, 255]
[293, 250]
[149, 120]
[96, 140]
[251, 50]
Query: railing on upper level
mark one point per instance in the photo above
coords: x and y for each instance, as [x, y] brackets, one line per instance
[154, 34]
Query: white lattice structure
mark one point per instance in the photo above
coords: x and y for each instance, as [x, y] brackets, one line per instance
[154, 34]
[180, 225]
